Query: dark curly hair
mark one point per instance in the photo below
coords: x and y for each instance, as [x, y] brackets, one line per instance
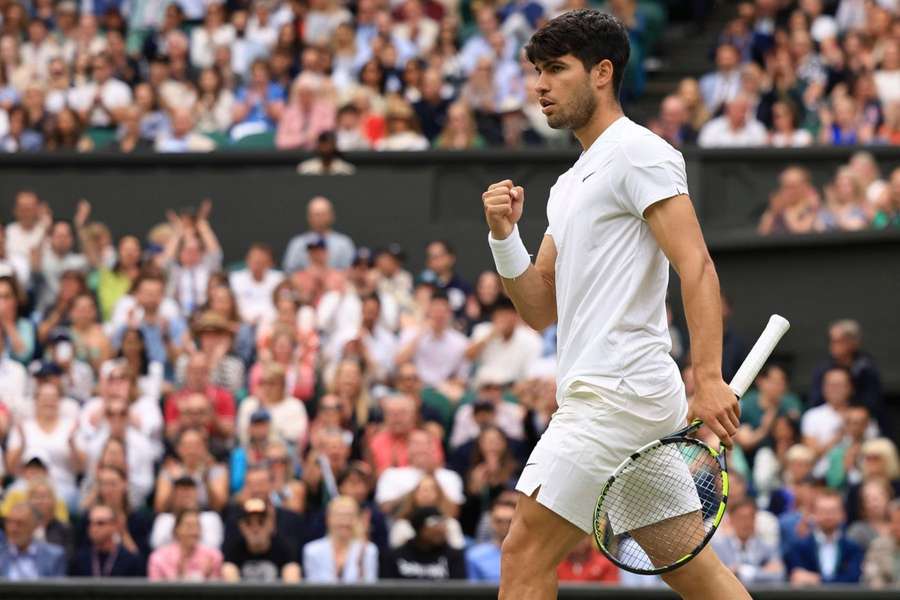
[587, 34]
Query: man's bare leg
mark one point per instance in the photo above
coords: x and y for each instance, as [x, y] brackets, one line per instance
[537, 542]
[704, 577]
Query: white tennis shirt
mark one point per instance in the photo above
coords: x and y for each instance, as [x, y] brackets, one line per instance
[611, 275]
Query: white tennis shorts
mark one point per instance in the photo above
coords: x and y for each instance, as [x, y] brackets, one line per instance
[590, 434]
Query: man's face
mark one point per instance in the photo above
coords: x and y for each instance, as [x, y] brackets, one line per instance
[319, 215]
[793, 183]
[408, 379]
[101, 525]
[370, 311]
[197, 374]
[438, 259]
[505, 321]
[434, 535]
[185, 497]
[421, 450]
[150, 295]
[195, 411]
[117, 417]
[856, 420]
[743, 520]
[259, 432]
[773, 384]
[439, 313]
[336, 451]
[258, 484]
[26, 211]
[840, 345]
[726, 58]
[736, 111]
[399, 415]
[565, 93]
[257, 530]
[828, 514]
[837, 387]
[19, 526]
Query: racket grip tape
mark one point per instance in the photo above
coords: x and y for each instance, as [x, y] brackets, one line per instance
[759, 354]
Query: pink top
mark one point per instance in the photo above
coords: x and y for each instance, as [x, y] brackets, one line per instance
[300, 128]
[204, 565]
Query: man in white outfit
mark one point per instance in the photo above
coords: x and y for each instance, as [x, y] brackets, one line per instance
[616, 219]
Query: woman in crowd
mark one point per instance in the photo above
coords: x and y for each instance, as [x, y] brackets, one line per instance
[343, 555]
[460, 132]
[427, 493]
[17, 331]
[42, 497]
[480, 305]
[887, 214]
[298, 363]
[876, 495]
[215, 103]
[492, 469]
[288, 491]
[784, 132]
[844, 204]
[115, 454]
[150, 374]
[112, 284]
[194, 460]
[350, 387]
[185, 559]
[798, 465]
[56, 315]
[879, 461]
[51, 437]
[290, 423]
[292, 311]
[91, 343]
[220, 300]
[770, 460]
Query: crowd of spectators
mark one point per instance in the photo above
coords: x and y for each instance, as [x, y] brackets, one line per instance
[191, 76]
[856, 199]
[163, 414]
[793, 74]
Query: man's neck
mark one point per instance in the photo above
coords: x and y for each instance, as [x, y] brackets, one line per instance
[106, 547]
[604, 116]
[24, 549]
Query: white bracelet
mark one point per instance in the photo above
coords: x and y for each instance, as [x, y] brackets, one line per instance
[510, 255]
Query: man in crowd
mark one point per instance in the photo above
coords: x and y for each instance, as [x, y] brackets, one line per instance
[23, 558]
[723, 84]
[197, 381]
[440, 260]
[185, 497]
[260, 554]
[26, 232]
[254, 285]
[390, 447]
[437, 350]
[156, 316]
[57, 256]
[483, 560]
[734, 128]
[753, 560]
[320, 219]
[509, 417]
[505, 343]
[826, 555]
[395, 482]
[823, 426]
[103, 555]
[845, 350]
[427, 556]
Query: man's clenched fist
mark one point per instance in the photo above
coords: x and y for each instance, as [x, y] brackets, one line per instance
[503, 207]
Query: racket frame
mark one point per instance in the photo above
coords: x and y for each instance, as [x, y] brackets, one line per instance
[681, 436]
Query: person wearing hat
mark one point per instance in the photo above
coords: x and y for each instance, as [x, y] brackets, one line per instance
[489, 385]
[427, 556]
[504, 343]
[34, 469]
[215, 335]
[320, 219]
[260, 554]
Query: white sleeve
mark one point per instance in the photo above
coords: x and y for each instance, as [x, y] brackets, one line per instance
[650, 170]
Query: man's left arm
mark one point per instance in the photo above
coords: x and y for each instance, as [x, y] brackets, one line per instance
[677, 231]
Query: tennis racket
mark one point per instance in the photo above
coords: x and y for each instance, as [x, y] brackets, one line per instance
[663, 504]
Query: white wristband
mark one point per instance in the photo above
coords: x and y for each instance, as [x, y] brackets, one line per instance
[510, 255]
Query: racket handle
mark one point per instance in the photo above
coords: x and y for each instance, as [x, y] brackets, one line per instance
[759, 354]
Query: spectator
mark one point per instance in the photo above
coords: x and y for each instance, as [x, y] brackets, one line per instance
[879, 461]
[372, 340]
[483, 560]
[350, 388]
[862, 164]
[880, 569]
[261, 554]
[259, 105]
[826, 555]
[101, 101]
[673, 124]
[327, 160]
[50, 436]
[198, 381]
[734, 128]
[585, 563]
[722, 85]
[437, 350]
[842, 125]
[822, 426]
[291, 423]
[109, 486]
[254, 285]
[402, 130]
[133, 355]
[875, 496]
[793, 207]
[785, 133]
[750, 558]
[505, 344]
[426, 556]
[22, 557]
[27, 231]
[308, 114]
[348, 130]
[183, 137]
[460, 131]
[424, 460]
[194, 460]
[186, 558]
[489, 407]
[845, 458]
[343, 555]
[762, 406]
[114, 282]
[185, 499]
[390, 446]
[103, 555]
[216, 335]
[490, 470]
[288, 492]
[845, 350]
[440, 260]
[433, 106]
[844, 208]
[888, 206]
[17, 331]
[90, 343]
[320, 219]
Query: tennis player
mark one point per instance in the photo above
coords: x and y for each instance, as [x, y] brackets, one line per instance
[617, 219]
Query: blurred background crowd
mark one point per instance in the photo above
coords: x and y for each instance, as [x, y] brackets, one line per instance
[329, 416]
[195, 75]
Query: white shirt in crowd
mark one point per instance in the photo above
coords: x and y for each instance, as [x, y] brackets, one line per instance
[612, 328]
[290, 423]
[508, 417]
[254, 298]
[212, 532]
[396, 482]
[511, 357]
[13, 380]
[113, 94]
[53, 445]
[718, 133]
[380, 344]
[796, 139]
[823, 423]
[140, 458]
[21, 241]
[438, 358]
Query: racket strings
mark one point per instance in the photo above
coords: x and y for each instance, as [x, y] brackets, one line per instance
[660, 507]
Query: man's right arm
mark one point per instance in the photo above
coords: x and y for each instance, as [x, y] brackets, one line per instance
[532, 288]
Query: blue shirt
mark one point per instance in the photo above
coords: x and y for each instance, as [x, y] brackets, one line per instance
[23, 566]
[154, 340]
[483, 562]
[257, 114]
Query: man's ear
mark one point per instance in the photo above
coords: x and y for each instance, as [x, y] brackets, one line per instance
[602, 73]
